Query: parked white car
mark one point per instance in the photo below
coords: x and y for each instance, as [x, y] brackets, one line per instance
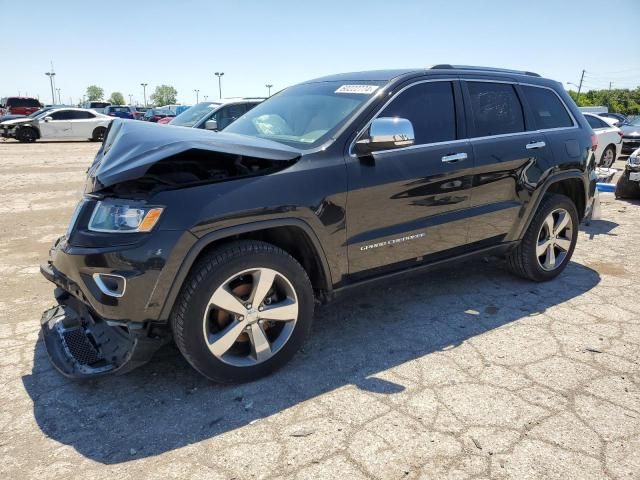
[61, 123]
[609, 139]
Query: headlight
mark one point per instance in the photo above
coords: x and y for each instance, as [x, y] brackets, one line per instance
[634, 160]
[122, 218]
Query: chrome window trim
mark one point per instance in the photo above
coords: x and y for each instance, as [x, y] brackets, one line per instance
[575, 125]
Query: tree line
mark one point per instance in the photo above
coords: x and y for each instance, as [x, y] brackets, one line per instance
[620, 100]
[162, 95]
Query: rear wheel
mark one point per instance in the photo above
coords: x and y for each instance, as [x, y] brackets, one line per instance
[608, 156]
[548, 244]
[98, 134]
[244, 311]
[26, 135]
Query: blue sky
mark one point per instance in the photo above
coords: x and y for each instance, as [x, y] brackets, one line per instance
[119, 44]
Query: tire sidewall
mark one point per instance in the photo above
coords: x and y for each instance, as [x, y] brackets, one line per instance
[602, 160]
[554, 202]
[96, 133]
[204, 283]
[30, 139]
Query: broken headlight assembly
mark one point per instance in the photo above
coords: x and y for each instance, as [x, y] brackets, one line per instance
[113, 217]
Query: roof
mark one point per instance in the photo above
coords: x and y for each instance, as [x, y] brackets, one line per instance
[443, 68]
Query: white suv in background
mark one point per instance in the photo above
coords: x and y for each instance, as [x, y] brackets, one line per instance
[59, 123]
[609, 139]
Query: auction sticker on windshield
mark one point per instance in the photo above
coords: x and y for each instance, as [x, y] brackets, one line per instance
[363, 89]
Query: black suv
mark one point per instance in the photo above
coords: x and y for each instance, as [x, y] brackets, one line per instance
[224, 241]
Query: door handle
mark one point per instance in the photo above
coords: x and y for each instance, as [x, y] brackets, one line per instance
[535, 145]
[454, 157]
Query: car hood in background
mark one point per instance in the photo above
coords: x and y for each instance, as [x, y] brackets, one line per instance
[132, 147]
[17, 121]
[630, 130]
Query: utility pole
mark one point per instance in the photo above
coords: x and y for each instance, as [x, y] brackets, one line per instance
[269, 85]
[130, 99]
[219, 75]
[197, 95]
[144, 92]
[580, 86]
[53, 95]
[59, 97]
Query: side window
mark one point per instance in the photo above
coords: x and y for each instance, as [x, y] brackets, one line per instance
[594, 122]
[496, 108]
[79, 115]
[430, 107]
[548, 110]
[62, 115]
[227, 115]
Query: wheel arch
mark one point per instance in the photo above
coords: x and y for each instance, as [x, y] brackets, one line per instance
[570, 184]
[34, 128]
[293, 235]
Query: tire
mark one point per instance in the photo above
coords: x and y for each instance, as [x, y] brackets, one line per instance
[625, 188]
[524, 260]
[26, 135]
[225, 346]
[98, 134]
[608, 157]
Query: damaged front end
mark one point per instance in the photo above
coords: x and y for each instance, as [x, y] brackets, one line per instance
[81, 345]
[112, 273]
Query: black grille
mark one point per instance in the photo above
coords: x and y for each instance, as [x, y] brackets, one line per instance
[80, 347]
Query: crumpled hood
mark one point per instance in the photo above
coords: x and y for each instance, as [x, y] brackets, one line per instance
[132, 147]
[17, 121]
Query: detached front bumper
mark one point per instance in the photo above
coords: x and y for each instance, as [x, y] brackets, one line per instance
[6, 132]
[80, 345]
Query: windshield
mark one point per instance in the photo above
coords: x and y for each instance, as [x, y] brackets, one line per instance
[634, 121]
[190, 117]
[39, 112]
[305, 115]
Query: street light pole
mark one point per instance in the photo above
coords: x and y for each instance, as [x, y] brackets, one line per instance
[205, 97]
[53, 95]
[144, 92]
[59, 97]
[130, 99]
[269, 85]
[219, 75]
[197, 95]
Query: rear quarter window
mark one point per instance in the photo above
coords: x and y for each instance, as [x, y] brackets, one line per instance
[548, 110]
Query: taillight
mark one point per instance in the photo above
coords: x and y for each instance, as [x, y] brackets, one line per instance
[594, 142]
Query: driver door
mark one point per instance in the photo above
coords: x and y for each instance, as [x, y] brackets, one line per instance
[410, 202]
[56, 125]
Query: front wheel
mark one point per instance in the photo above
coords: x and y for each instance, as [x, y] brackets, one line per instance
[26, 135]
[243, 312]
[548, 244]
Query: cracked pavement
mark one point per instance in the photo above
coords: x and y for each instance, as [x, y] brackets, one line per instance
[462, 372]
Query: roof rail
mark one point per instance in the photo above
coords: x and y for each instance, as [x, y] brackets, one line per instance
[446, 66]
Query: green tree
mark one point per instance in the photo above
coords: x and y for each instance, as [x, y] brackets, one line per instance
[94, 93]
[116, 98]
[621, 100]
[164, 95]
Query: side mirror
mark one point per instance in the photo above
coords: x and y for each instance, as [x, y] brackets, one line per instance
[47, 118]
[211, 125]
[386, 133]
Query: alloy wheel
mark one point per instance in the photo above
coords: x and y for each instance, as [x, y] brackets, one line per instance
[608, 158]
[554, 239]
[250, 317]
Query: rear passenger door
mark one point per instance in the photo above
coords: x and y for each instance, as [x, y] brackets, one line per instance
[507, 156]
[410, 202]
[83, 124]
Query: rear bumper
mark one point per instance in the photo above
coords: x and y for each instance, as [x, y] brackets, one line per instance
[81, 345]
